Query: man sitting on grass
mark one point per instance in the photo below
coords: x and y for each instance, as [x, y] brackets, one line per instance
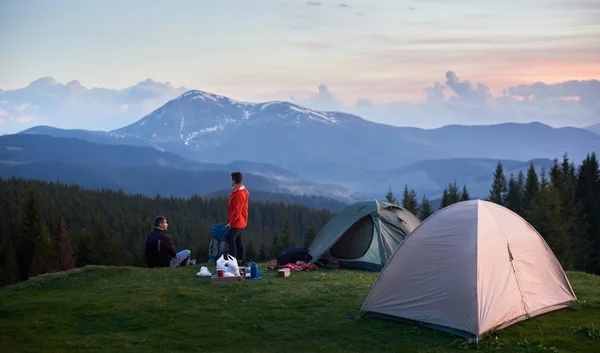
[159, 249]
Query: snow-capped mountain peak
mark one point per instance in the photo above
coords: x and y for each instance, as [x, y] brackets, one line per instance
[194, 114]
[207, 97]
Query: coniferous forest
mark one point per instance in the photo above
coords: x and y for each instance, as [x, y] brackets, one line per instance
[48, 227]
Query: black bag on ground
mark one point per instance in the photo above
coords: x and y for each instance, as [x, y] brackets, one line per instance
[293, 255]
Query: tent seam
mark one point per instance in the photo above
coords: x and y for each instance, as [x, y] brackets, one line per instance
[512, 263]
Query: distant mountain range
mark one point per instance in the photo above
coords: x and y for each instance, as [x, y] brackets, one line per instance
[291, 149]
[325, 146]
[143, 170]
[594, 128]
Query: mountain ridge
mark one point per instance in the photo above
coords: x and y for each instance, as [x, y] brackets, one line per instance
[325, 147]
[32, 155]
[594, 128]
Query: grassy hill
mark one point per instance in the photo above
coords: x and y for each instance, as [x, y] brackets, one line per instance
[118, 309]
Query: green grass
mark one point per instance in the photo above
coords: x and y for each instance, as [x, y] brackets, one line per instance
[118, 309]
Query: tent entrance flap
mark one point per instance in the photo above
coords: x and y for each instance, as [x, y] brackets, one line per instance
[356, 241]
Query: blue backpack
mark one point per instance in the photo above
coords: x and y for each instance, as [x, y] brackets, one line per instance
[219, 231]
[217, 245]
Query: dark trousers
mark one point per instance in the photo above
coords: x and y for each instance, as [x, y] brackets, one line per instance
[235, 243]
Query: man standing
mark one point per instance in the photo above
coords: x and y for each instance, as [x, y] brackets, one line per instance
[237, 217]
[159, 248]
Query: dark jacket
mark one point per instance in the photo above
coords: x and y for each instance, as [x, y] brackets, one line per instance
[159, 249]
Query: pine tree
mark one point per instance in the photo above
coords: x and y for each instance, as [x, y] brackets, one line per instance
[425, 209]
[453, 193]
[464, 195]
[9, 273]
[102, 240]
[514, 198]
[309, 236]
[444, 202]
[86, 250]
[543, 179]
[44, 259]
[556, 175]
[63, 250]
[571, 211]
[263, 254]
[521, 188]
[588, 192]
[251, 254]
[31, 228]
[9, 267]
[545, 216]
[287, 237]
[409, 200]
[275, 248]
[389, 197]
[499, 187]
[532, 186]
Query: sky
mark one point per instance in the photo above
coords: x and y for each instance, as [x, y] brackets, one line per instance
[425, 63]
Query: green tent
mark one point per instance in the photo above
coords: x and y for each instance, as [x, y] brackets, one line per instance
[363, 235]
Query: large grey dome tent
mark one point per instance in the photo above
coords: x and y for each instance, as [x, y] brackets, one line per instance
[470, 268]
[363, 235]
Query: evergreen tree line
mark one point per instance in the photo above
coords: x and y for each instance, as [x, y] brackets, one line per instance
[562, 204]
[48, 227]
[451, 195]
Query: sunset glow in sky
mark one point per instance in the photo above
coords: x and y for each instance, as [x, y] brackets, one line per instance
[383, 51]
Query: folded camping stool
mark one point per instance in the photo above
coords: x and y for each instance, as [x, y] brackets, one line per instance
[217, 245]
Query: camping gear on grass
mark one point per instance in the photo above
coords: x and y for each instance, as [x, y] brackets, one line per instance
[229, 266]
[363, 235]
[294, 255]
[470, 268]
[254, 275]
[295, 267]
[204, 272]
[218, 245]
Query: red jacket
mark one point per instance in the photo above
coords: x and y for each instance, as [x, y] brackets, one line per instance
[237, 215]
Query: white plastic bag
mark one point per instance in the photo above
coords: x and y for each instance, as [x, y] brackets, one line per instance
[231, 266]
[221, 263]
[204, 272]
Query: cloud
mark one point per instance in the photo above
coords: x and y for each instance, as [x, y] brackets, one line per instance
[578, 5]
[46, 101]
[587, 92]
[479, 93]
[321, 100]
[313, 3]
[22, 107]
[24, 119]
[313, 46]
[461, 101]
[345, 6]
[452, 99]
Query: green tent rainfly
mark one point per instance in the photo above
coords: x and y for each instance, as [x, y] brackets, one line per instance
[363, 235]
